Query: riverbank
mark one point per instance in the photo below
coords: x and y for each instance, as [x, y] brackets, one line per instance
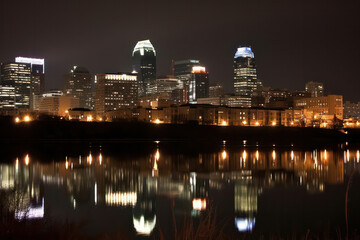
[129, 131]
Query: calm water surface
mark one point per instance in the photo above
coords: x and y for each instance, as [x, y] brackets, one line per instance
[136, 188]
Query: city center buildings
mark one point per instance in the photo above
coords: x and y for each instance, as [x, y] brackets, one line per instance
[245, 76]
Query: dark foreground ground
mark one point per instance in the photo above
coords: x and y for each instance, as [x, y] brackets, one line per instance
[120, 131]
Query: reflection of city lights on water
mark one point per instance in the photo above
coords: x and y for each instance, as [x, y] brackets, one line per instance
[100, 158]
[273, 154]
[157, 155]
[31, 212]
[257, 154]
[224, 155]
[121, 198]
[244, 155]
[66, 164]
[243, 224]
[292, 155]
[17, 164]
[199, 204]
[142, 226]
[348, 155]
[27, 159]
[357, 155]
[325, 154]
[89, 159]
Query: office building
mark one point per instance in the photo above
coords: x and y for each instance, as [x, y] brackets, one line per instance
[144, 64]
[315, 89]
[216, 90]
[166, 84]
[37, 82]
[245, 76]
[55, 103]
[321, 111]
[199, 84]
[15, 77]
[115, 91]
[78, 83]
[183, 71]
[352, 110]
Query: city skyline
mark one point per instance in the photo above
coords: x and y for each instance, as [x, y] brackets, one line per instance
[302, 46]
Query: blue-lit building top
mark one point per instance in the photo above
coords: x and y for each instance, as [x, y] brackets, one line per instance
[244, 52]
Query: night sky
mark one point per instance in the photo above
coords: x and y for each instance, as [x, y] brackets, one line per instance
[293, 41]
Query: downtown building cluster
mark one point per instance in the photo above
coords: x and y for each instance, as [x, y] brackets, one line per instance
[185, 95]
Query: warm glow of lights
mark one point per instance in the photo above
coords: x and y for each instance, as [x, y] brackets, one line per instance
[325, 154]
[66, 111]
[273, 154]
[17, 119]
[224, 123]
[292, 155]
[89, 159]
[100, 119]
[244, 155]
[66, 164]
[121, 198]
[17, 164]
[273, 123]
[157, 155]
[292, 123]
[199, 204]
[357, 155]
[357, 123]
[244, 122]
[348, 155]
[27, 160]
[100, 158]
[224, 155]
[157, 121]
[257, 123]
[27, 118]
[315, 117]
[257, 154]
[89, 118]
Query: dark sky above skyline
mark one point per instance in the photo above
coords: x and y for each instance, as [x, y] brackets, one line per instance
[293, 41]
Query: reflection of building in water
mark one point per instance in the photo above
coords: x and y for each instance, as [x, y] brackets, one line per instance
[22, 188]
[189, 179]
[246, 206]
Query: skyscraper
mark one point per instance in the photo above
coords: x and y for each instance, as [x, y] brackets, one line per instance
[199, 84]
[37, 82]
[183, 71]
[115, 91]
[245, 77]
[77, 83]
[144, 64]
[315, 89]
[15, 85]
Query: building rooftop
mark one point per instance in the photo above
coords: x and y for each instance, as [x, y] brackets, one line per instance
[244, 52]
[143, 46]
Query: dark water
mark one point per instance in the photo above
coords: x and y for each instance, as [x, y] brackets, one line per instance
[142, 189]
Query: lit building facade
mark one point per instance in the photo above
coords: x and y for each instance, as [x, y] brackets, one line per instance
[216, 90]
[315, 89]
[352, 110]
[78, 84]
[15, 77]
[199, 84]
[183, 71]
[144, 64]
[115, 91]
[54, 103]
[37, 81]
[166, 84]
[321, 111]
[245, 76]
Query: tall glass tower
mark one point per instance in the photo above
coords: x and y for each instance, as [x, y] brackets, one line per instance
[245, 77]
[144, 64]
